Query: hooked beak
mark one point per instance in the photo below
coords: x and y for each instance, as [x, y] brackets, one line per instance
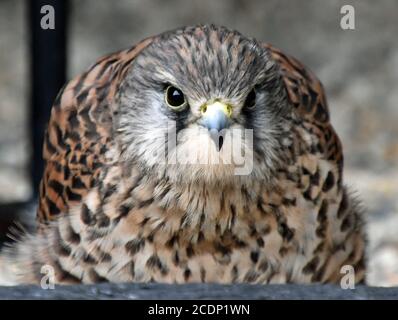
[215, 117]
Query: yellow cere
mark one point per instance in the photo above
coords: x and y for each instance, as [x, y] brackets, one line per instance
[211, 108]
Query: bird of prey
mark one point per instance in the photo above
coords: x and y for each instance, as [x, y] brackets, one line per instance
[141, 181]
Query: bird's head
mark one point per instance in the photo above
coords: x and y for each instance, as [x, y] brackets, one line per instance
[203, 104]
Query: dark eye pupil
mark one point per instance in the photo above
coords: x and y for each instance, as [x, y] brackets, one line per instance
[175, 97]
[251, 99]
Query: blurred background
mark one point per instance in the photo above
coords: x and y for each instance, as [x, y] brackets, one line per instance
[359, 69]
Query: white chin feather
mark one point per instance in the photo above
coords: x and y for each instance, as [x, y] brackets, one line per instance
[192, 155]
[196, 157]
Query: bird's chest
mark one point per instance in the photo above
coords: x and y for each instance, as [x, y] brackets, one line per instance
[278, 239]
[285, 234]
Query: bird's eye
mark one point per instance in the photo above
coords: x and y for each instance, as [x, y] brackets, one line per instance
[250, 100]
[175, 99]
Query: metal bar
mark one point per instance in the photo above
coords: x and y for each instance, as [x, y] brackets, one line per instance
[48, 58]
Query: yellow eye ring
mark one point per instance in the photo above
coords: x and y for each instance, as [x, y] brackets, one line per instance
[175, 99]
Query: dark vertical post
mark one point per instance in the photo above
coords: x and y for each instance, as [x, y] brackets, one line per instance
[48, 74]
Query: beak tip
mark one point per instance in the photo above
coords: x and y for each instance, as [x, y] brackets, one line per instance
[215, 119]
[217, 137]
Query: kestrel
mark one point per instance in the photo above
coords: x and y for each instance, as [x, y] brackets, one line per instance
[118, 204]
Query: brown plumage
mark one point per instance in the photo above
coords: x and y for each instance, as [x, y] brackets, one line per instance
[108, 213]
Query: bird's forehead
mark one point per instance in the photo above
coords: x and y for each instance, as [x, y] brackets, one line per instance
[207, 60]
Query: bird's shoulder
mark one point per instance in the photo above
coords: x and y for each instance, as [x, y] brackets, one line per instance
[307, 96]
[79, 133]
[305, 91]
